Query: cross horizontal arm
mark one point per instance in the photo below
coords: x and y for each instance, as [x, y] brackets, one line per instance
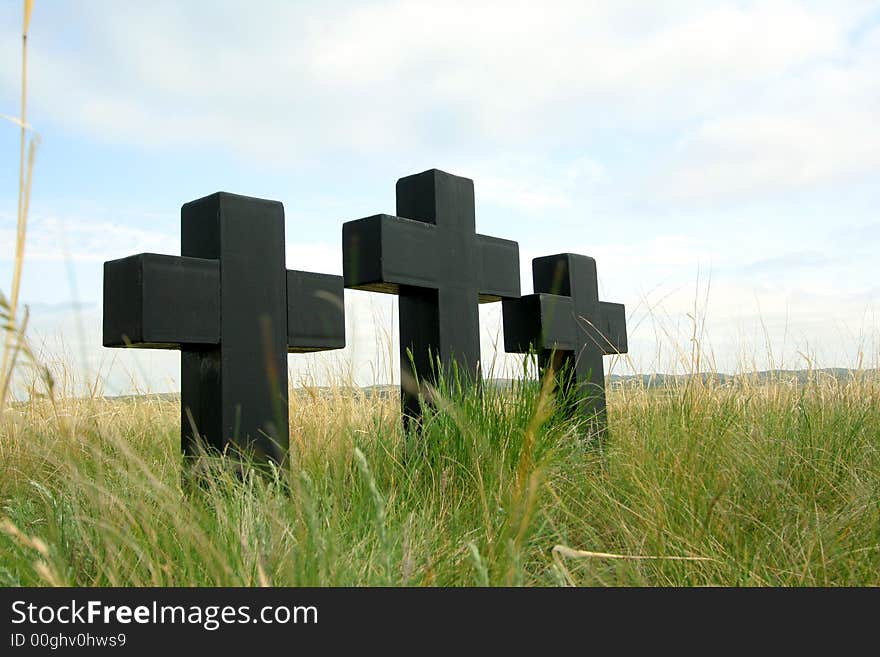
[382, 252]
[315, 312]
[160, 301]
[540, 322]
[499, 261]
[613, 328]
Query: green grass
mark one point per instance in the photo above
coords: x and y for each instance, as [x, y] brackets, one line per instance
[745, 484]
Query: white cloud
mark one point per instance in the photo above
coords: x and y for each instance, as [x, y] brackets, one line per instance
[814, 127]
[54, 238]
[531, 184]
[285, 81]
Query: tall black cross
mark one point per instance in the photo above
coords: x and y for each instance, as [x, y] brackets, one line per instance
[439, 267]
[569, 328]
[234, 311]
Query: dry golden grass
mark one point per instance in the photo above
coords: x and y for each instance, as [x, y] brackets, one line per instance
[745, 483]
[14, 330]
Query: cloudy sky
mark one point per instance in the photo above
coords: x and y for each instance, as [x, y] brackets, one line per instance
[718, 159]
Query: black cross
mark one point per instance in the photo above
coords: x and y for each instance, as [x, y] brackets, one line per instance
[569, 327]
[439, 267]
[234, 311]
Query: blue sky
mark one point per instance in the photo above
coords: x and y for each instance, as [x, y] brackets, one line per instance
[726, 152]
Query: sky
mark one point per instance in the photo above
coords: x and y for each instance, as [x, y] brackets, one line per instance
[720, 160]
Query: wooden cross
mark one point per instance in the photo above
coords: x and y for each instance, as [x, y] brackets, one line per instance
[569, 328]
[433, 259]
[234, 311]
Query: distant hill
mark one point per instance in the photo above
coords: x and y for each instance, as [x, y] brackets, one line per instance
[839, 374]
[800, 377]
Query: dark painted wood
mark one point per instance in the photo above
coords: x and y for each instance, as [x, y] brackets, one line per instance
[431, 257]
[234, 311]
[569, 328]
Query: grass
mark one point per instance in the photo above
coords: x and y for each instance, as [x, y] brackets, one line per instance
[14, 329]
[698, 484]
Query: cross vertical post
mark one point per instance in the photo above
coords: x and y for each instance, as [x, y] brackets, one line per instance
[242, 392]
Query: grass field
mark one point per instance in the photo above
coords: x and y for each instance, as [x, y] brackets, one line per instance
[748, 483]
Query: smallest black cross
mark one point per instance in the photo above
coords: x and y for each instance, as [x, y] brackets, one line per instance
[569, 328]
